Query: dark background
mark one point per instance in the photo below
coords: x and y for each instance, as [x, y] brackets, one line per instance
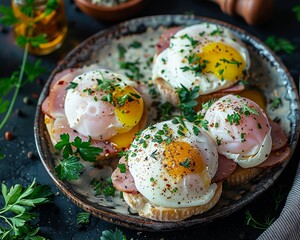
[58, 219]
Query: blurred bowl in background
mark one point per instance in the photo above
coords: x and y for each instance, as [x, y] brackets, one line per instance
[111, 14]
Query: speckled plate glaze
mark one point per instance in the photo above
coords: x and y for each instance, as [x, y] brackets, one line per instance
[268, 73]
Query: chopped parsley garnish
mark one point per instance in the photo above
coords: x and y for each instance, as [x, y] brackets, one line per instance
[258, 126]
[218, 141]
[164, 111]
[122, 167]
[108, 98]
[204, 124]
[196, 130]
[196, 68]
[242, 137]
[276, 102]
[192, 41]
[152, 179]
[232, 61]
[234, 118]
[72, 85]
[122, 50]
[187, 101]
[133, 68]
[207, 104]
[217, 31]
[248, 110]
[135, 44]
[153, 154]
[127, 97]
[104, 186]
[186, 163]
[193, 58]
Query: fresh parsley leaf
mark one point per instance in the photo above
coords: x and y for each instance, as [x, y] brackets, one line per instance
[17, 210]
[33, 71]
[187, 101]
[85, 150]
[207, 104]
[280, 44]
[3, 105]
[37, 40]
[8, 17]
[51, 6]
[135, 44]
[296, 10]
[21, 40]
[113, 235]
[69, 168]
[64, 145]
[28, 8]
[83, 218]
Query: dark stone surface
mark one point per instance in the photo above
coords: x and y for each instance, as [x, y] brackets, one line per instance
[58, 219]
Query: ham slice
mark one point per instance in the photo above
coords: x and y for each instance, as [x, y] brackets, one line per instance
[225, 168]
[123, 182]
[279, 139]
[164, 39]
[276, 157]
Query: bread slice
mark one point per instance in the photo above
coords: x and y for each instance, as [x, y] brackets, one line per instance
[242, 176]
[146, 209]
[169, 94]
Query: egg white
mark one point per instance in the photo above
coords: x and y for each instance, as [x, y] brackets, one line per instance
[169, 63]
[87, 113]
[257, 143]
[149, 172]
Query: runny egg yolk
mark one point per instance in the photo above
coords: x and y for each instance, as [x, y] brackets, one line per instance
[222, 60]
[129, 107]
[182, 159]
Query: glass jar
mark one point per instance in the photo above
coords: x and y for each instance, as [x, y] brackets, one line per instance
[36, 20]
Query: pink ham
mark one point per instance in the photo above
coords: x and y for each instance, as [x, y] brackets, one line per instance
[225, 168]
[123, 182]
[164, 39]
[60, 75]
[276, 157]
[238, 87]
[279, 139]
[61, 126]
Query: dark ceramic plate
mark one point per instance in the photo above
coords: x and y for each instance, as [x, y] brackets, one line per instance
[268, 73]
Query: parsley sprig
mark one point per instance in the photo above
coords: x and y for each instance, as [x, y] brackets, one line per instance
[296, 10]
[70, 167]
[251, 221]
[113, 235]
[28, 72]
[280, 44]
[17, 212]
[187, 101]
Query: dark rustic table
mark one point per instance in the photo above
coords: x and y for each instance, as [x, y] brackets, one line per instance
[58, 219]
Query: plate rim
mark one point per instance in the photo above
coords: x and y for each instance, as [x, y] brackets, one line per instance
[118, 218]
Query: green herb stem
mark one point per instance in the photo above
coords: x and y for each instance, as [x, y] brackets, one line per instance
[18, 85]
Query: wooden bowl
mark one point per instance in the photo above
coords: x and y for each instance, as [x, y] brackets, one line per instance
[112, 14]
